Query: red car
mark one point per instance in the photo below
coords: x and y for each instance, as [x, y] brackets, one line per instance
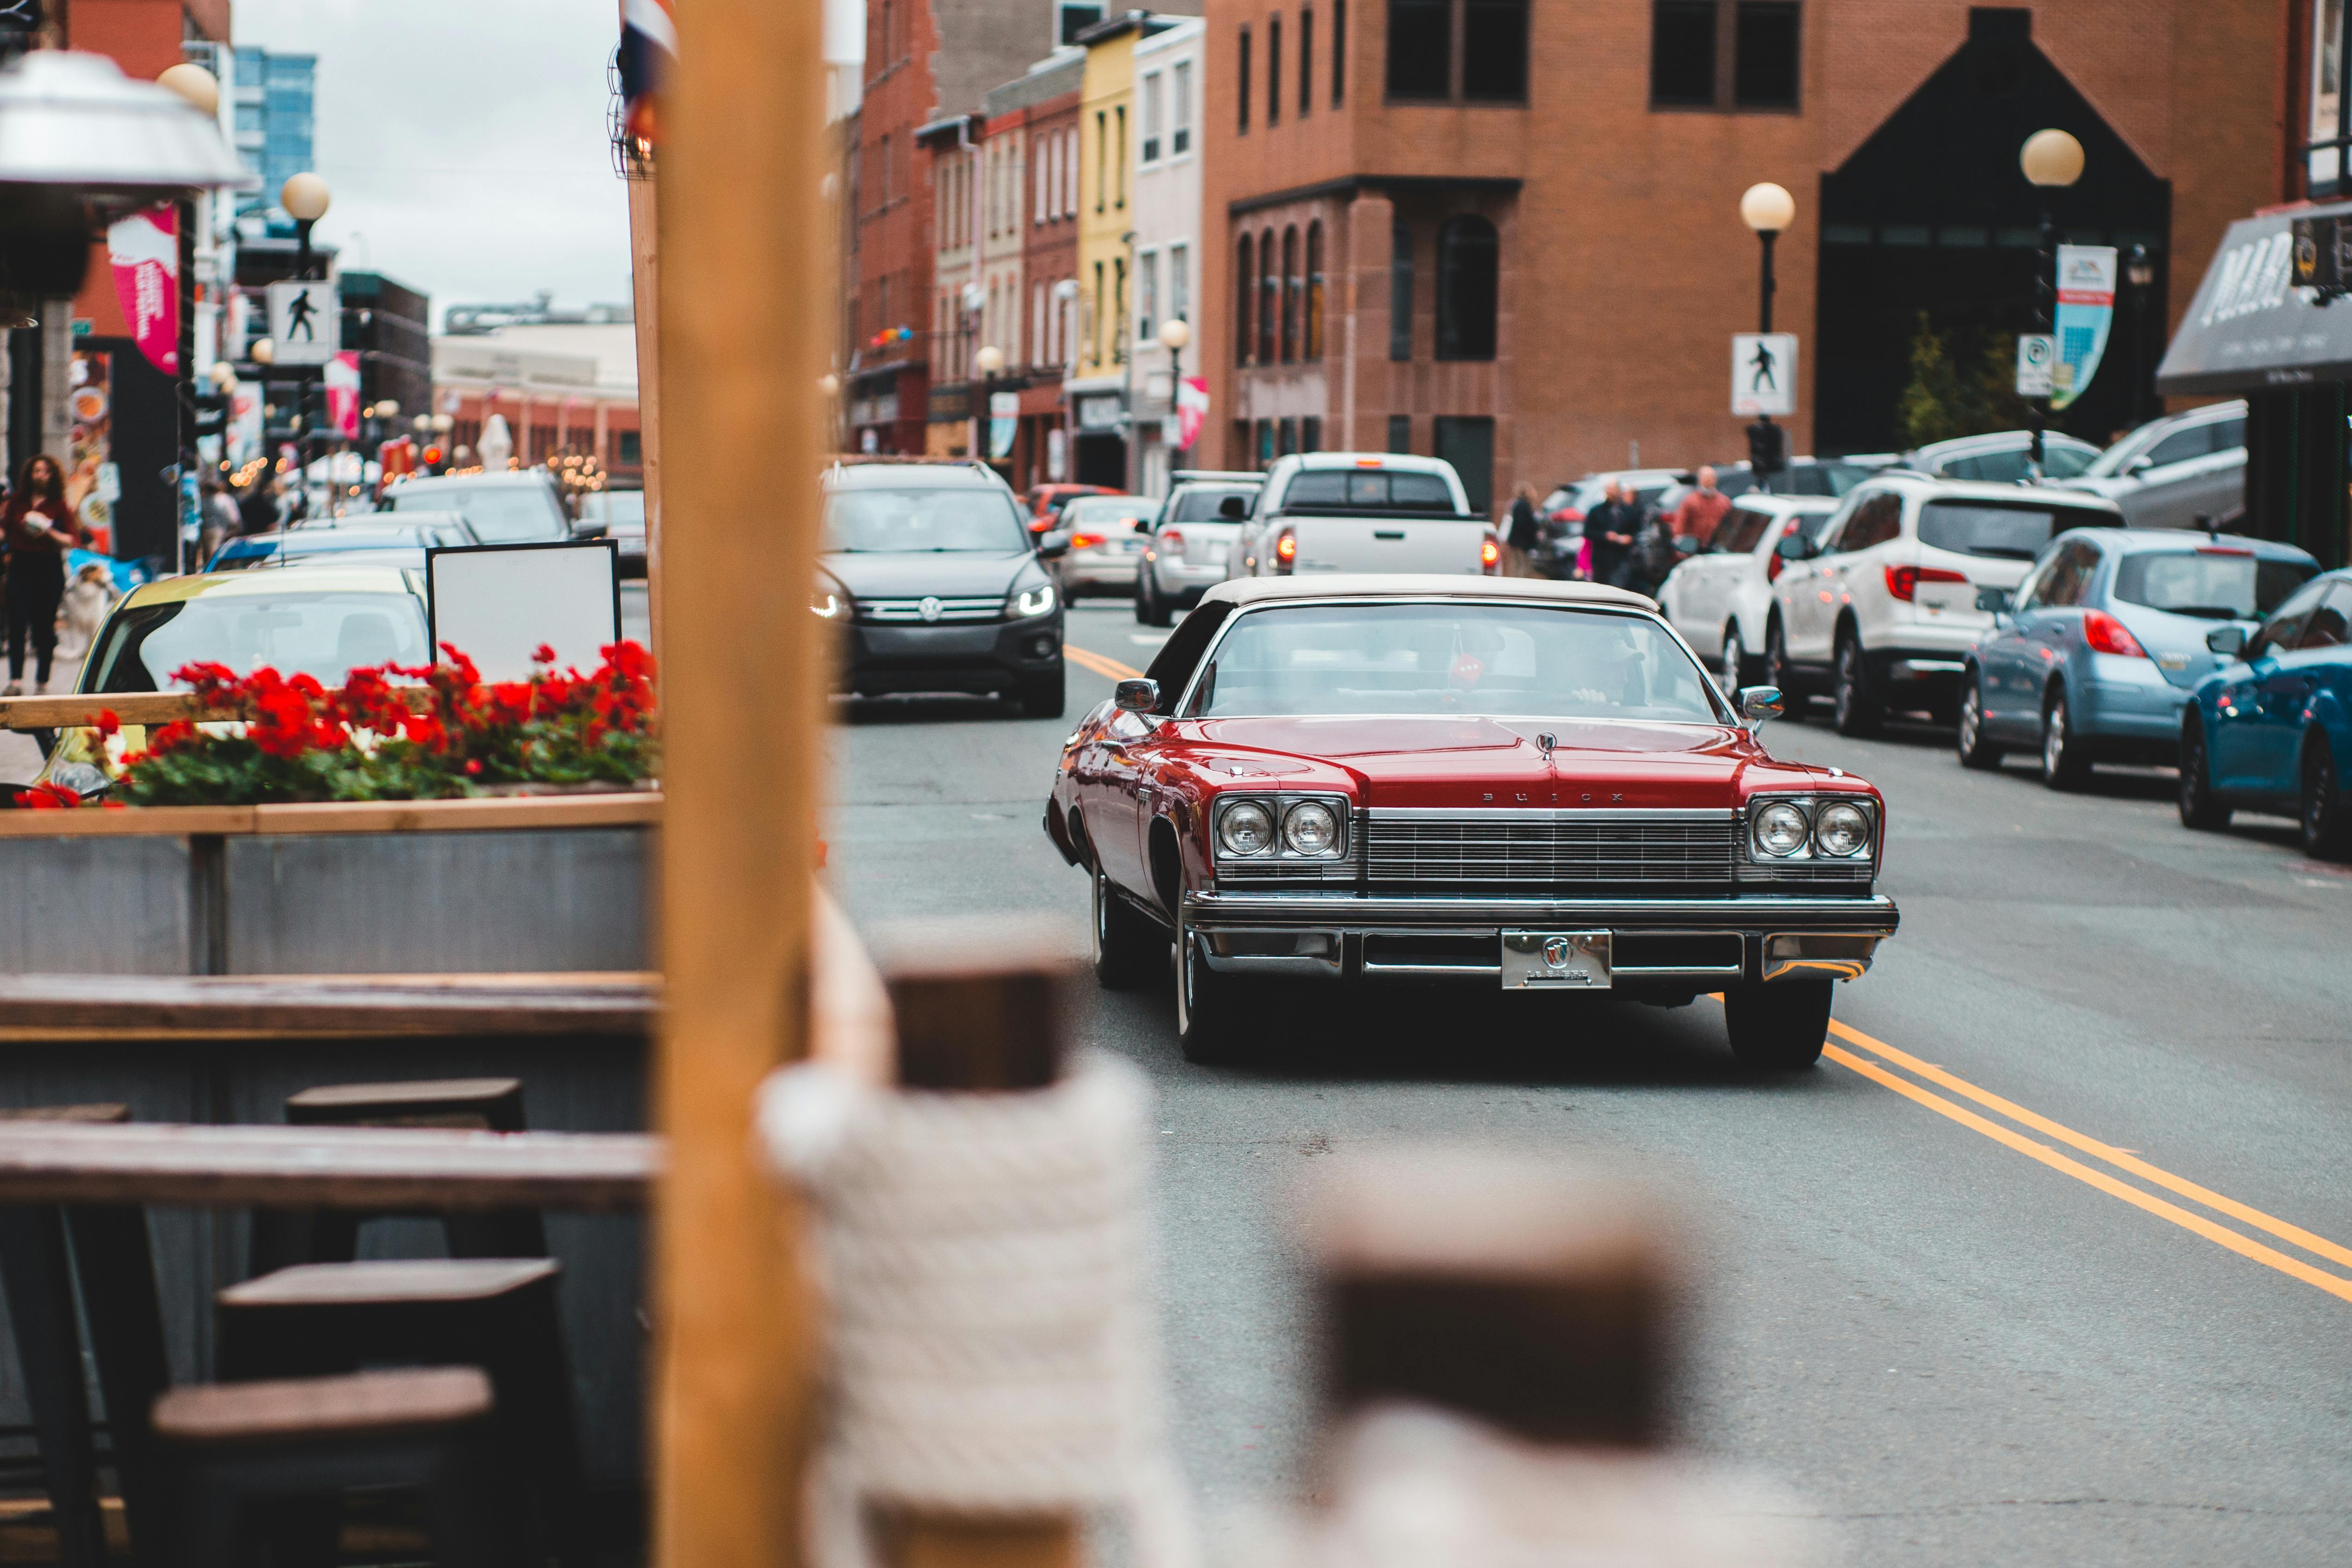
[1492, 781]
[1045, 501]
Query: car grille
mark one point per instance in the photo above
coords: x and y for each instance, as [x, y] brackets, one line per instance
[1539, 847]
[911, 609]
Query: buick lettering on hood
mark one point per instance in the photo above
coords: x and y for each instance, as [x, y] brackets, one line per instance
[1483, 781]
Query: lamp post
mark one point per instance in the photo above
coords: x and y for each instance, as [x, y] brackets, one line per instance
[2052, 161]
[2139, 272]
[201, 90]
[1765, 208]
[306, 198]
[990, 363]
[1175, 334]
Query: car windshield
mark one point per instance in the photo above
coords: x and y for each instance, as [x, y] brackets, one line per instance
[1375, 489]
[1501, 660]
[2220, 585]
[929, 519]
[1200, 504]
[498, 514]
[624, 508]
[322, 633]
[1998, 529]
[1102, 511]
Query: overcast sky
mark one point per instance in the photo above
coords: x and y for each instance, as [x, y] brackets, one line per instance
[464, 141]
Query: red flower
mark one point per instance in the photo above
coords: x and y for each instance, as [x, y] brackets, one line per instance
[107, 723]
[542, 655]
[473, 768]
[48, 797]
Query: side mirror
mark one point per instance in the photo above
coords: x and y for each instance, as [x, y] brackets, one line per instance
[1054, 546]
[591, 531]
[1757, 704]
[1232, 508]
[2229, 642]
[1995, 601]
[1143, 525]
[1794, 547]
[2140, 465]
[1136, 696]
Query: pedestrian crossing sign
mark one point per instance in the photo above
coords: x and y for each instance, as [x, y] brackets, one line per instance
[1763, 373]
[305, 323]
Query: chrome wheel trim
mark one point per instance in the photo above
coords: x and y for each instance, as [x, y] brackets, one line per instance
[1183, 982]
[1969, 721]
[1734, 656]
[2054, 739]
[1849, 681]
[2319, 785]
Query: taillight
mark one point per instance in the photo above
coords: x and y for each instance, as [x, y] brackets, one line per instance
[1903, 581]
[1171, 542]
[1490, 555]
[1567, 515]
[1285, 551]
[2106, 634]
[1772, 565]
[1085, 541]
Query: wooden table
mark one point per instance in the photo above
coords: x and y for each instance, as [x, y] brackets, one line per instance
[611, 1002]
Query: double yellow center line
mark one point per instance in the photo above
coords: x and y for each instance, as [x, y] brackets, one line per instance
[1881, 1058]
[1110, 669]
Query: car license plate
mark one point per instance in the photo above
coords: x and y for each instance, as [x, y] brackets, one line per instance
[1556, 961]
[1217, 555]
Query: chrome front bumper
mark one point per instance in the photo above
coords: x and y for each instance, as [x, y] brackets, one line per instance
[1698, 941]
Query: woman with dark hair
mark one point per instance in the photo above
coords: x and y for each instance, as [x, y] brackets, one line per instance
[38, 529]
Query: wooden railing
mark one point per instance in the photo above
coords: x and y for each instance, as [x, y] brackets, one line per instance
[77, 709]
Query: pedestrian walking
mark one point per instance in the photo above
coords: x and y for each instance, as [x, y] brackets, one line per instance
[1522, 534]
[1700, 511]
[39, 528]
[257, 510]
[1609, 530]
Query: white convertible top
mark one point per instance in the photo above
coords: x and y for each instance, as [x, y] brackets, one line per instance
[1419, 585]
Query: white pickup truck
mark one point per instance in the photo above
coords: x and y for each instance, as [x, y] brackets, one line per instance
[1363, 511]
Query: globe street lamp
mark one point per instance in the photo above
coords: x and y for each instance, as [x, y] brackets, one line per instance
[306, 199]
[1768, 209]
[2052, 161]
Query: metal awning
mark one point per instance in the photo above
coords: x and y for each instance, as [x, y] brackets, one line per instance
[2250, 328]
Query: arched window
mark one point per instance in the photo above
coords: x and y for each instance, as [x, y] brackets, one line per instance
[1314, 290]
[1269, 303]
[1290, 295]
[1244, 304]
[1468, 256]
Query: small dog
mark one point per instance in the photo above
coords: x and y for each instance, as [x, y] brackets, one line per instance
[88, 598]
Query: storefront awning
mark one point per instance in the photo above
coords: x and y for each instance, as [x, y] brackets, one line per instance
[2250, 328]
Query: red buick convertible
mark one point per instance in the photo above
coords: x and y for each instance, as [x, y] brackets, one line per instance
[1479, 780]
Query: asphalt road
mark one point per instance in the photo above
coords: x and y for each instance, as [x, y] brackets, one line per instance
[2049, 1262]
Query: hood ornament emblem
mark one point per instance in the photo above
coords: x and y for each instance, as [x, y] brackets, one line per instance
[929, 608]
[1547, 741]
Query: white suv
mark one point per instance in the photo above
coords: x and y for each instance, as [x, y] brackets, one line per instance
[1721, 598]
[1880, 612]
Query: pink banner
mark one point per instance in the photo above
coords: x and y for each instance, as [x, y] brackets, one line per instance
[343, 378]
[145, 250]
[1192, 410]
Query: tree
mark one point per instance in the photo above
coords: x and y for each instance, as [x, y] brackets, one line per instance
[1943, 400]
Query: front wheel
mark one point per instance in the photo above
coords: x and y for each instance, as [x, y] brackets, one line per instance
[1857, 707]
[2326, 826]
[1150, 609]
[1975, 750]
[2198, 807]
[1778, 1027]
[2064, 765]
[1208, 1006]
[1733, 669]
[1128, 947]
[1775, 666]
[1041, 696]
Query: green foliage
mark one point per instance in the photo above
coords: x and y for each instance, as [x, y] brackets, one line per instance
[1959, 387]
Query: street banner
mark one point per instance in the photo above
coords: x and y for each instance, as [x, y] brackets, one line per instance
[145, 250]
[1003, 418]
[1763, 372]
[343, 379]
[305, 325]
[2035, 351]
[1192, 410]
[2086, 307]
[244, 421]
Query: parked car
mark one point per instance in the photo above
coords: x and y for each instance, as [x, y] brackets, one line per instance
[1720, 599]
[1363, 511]
[2003, 457]
[1107, 539]
[1880, 611]
[2270, 730]
[1831, 476]
[1562, 513]
[1044, 502]
[521, 507]
[369, 540]
[2173, 471]
[322, 620]
[1461, 779]
[1192, 535]
[2105, 639]
[618, 516]
[930, 573]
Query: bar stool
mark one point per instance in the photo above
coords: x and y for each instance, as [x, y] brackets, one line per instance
[476, 1104]
[499, 1313]
[33, 1269]
[230, 1451]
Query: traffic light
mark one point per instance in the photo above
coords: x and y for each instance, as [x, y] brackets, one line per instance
[1767, 447]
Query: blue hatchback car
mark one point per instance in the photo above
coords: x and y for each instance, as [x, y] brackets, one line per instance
[2270, 730]
[2094, 657]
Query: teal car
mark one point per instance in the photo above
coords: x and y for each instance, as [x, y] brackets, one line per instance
[2270, 730]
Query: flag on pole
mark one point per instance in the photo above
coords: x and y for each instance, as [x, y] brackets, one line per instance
[648, 50]
[2086, 307]
[145, 251]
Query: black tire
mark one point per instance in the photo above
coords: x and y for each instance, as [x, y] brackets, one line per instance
[1857, 706]
[1779, 1027]
[2066, 765]
[2200, 808]
[1129, 949]
[1776, 667]
[1041, 696]
[1150, 609]
[1733, 667]
[1208, 1007]
[2326, 824]
[1968, 738]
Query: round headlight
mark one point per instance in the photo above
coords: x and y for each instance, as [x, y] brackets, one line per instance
[1245, 828]
[1780, 828]
[1310, 828]
[1842, 831]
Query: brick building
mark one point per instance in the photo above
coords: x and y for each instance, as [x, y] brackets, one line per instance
[1509, 234]
[1037, 117]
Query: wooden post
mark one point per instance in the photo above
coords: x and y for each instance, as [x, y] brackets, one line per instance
[645, 267]
[741, 338]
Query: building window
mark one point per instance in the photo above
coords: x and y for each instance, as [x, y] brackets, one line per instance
[1421, 49]
[1146, 296]
[1070, 173]
[1119, 116]
[1311, 435]
[885, 170]
[1495, 51]
[1757, 39]
[1401, 291]
[1037, 349]
[632, 452]
[2325, 151]
[1153, 108]
[1071, 18]
[1265, 444]
[1469, 445]
[1338, 52]
[1245, 288]
[1179, 132]
[1314, 350]
[1243, 79]
[1274, 70]
[1468, 256]
[1180, 283]
[1269, 303]
[1291, 293]
[1401, 434]
[1288, 437]
[1306, 62]
[1037, 150]
[1095, 328]
[1102, 158]
[1118, 310]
